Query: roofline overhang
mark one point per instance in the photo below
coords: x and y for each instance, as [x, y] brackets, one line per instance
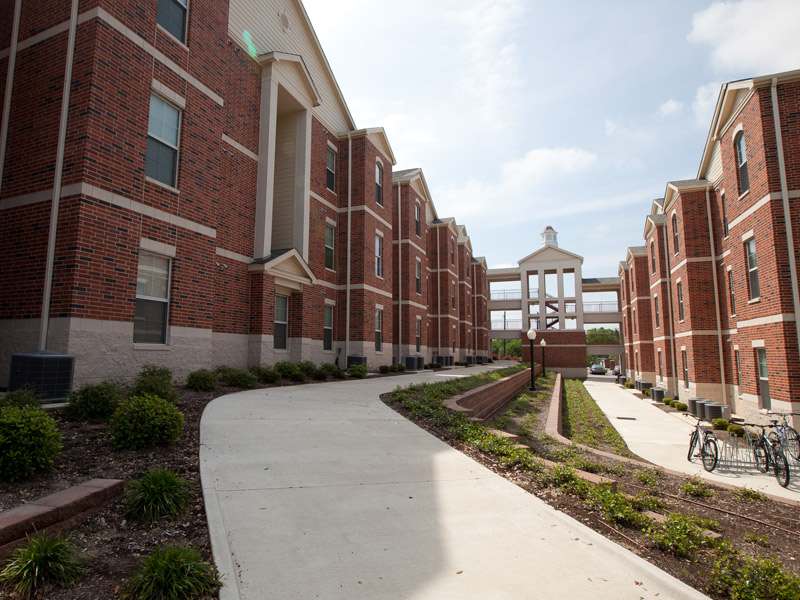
[277, 57]
[380, 131]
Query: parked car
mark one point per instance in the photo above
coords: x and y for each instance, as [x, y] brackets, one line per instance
[597, 369]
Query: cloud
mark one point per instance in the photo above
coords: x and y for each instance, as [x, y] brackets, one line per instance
[705, 98]
[670, 107]
[754, 36]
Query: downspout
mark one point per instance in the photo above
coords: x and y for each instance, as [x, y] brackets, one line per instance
[12, 59]
[59, 171]
[400, 280]
[349, 243]
[787, 215]
[438, 294]
[669, 304]
[474, 315]
[716, 297]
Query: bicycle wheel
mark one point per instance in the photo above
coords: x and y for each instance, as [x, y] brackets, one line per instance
[710, 454]
[793, 443]
[781, 467]
[692, 444]
[761, 455]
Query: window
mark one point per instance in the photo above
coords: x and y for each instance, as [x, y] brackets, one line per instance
[418, 334]
[418, 277]
[724, 204]
[327, 328]
[161, 160]
[652, 257]
[656, 312]
[753, 285]
[330, 170]
[379, 255]
[675, 238]
[378, 330]
[418, 219]
[660, 365]
[731, 292]
[741, 162]
[634, 321]
[681, 307]
[763, 378]
[453, 251]
[281, 324]
[152, 299]
[330, 245]
[379, 183]
[738, 368]
[171, 15]
[453, 296]
[685, 361]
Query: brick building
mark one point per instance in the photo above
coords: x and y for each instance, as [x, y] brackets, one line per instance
[722, 254]
[213, 201]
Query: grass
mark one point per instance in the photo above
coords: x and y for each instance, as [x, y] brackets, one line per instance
[696, 488]
[749, 495]
[43, 560]
[585, 423]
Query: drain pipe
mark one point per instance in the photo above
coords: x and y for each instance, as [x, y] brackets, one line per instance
[787, 215]
[438, 294]
[669, 306]
[399, 280]
[59, 170]
[349, 238]
[722, 378]
[12, 59]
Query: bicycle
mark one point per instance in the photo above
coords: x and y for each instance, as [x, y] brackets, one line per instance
[768, 452]
[709, 453]
[787, 434]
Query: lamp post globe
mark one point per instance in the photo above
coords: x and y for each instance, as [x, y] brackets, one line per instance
[543, 344]
[532, 336]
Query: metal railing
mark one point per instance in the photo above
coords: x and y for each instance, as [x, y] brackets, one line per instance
[505, 294]
[600, 307]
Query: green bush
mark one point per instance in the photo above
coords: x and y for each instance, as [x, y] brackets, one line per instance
[238, 378]
[332, 370]
[42, 560]
[320, 375]
[29, 442]
[384, 369]
[681, 406]
[629, 385]
[358, 371]
[157, 381]
[308, 368]
[668, 401]
[94, 402]
[679, 535]
[266, 375]
[720, 424]
[173, 573]
[646, 392]
[156, 494]
[736, 430]
[649, 477]
[145, 421]
[616, 507]
[741, 577]
[697, 488]
[749, 495]
[202, 380]
[290, 371]
[401, 368]
[20, 397]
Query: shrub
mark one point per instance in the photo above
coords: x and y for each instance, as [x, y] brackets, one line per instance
[720, 424]
[629, 385]
[749, 495]
[358, 371]
[647, 502]
[238, 378]
[747, 578]
[646, 392]
[289, 371]
[401, 368]
[384, 369]
[307, 368]
[320, 375]
[42, 560]
[266, 375]
[145, 421]
[667, 401]
[681, 406]
[172, 573]
[20, 397]
[94, 402]
[332, 370]
[29, 442]
[156, 381]
[679, 535]
[697, 488]
[202, 380]
[736, 430]
[649, 477]
[158, 493]
[616, 507]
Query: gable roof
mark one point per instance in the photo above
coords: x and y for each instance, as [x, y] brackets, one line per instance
[379, 139]
[288, 265]
[552, 248]
[409, 176]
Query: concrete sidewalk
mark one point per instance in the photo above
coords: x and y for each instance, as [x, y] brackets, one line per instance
[663, 439]
[322, 491]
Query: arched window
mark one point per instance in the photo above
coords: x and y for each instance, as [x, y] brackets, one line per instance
[675, 238]
[741, 162]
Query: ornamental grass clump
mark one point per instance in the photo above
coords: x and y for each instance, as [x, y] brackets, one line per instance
[144, 422]
[173, 573]
[157, 494]
[43, 560]
[29, 442]
[94, 402]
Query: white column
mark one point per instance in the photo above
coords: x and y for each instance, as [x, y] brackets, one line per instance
[561, 307]
[542, 300]
[302, 185]
[265, 182]
[579, 296]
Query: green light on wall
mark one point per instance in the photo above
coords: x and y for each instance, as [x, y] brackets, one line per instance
[251, 47]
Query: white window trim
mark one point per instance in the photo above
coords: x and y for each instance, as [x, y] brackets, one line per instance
[335, 160]
[175, 187]
[276, 322]
[758, 344]
[379, 257]
[332, 305]
[332, 224]
[167, 301]
[418, 207]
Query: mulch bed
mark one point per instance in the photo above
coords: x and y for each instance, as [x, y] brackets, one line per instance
[733, 527]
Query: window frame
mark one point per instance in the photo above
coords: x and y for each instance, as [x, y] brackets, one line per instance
[276, 323]
[418, 219]
[656, 311]
[330, 250]
[738, 365]
[378, 183]
[330, 174]
[724, 207]
[167, 301]
[378, 329]
[740, 155]
[676, 242]
[379, 255]
[185, 5]
[652, 257]
[685, 364]
[327, 330]
[418, 276]
[752, 270]
[176, 148]
[681, 304]
[418, 335]
[731, 292]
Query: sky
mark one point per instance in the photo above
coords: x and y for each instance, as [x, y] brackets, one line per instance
[527, 113]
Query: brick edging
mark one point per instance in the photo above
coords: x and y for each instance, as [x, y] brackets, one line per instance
[483, 402]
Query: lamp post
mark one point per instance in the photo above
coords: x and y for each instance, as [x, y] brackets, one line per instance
[531, 337]
[543, 343]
